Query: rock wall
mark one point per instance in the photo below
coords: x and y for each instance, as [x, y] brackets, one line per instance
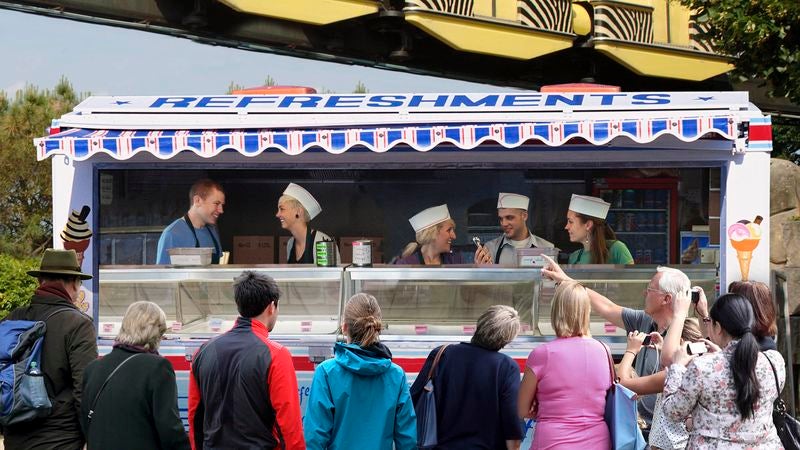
[784, 203]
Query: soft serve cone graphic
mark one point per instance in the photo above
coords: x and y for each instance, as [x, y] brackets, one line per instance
[744, 237]
[76, 233]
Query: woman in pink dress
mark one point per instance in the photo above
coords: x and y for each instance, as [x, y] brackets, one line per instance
[565, 382]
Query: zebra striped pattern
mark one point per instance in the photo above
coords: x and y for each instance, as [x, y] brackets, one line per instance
[551, 15]
[458, 7]
[696, 39]
[626, 24]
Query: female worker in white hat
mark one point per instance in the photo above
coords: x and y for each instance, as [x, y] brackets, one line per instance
[435, 233]
[586, 223]
[296, 208]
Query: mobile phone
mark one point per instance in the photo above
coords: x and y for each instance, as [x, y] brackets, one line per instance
[646, 341]
[696, 348]
[476, 240]
[695, 295]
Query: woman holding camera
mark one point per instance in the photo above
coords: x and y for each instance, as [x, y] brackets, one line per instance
[729, 394]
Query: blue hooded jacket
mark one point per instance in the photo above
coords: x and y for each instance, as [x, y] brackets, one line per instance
[360, 399]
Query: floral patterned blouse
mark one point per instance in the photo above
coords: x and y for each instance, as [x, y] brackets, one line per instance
[704, 389]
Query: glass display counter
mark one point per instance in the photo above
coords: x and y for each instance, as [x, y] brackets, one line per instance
[448, 300]
[415, 300]
[199, 301]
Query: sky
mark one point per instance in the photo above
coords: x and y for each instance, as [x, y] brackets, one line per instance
[104, 60]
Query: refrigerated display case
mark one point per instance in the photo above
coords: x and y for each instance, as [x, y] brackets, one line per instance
[644, 215]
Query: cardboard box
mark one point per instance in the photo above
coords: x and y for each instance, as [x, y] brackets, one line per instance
[346, 248]
[283, 255]
[254, 249]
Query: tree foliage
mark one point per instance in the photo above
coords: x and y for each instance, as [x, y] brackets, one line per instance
[26, 202]
[764, 36]
[16, 286]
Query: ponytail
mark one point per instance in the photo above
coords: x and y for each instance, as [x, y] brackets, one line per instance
[735, 315]
[600, 234]
[363, 318]
[743, 366]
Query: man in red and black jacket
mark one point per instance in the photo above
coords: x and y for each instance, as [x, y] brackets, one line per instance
[242, 386]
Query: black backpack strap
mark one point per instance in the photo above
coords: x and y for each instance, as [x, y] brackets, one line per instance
[108, 378]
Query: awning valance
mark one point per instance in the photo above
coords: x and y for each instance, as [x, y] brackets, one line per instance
[80, 144]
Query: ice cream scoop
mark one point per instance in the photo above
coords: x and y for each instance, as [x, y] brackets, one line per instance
[738, 232]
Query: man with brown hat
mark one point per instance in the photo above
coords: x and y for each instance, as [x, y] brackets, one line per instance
[69, 346]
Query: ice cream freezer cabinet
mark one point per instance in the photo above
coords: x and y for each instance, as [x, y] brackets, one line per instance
[422, 307]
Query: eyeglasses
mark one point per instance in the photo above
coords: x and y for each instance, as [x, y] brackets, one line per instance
[649, 289]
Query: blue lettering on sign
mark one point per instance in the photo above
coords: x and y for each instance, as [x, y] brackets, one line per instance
[344, 101]
[439, 101]
[463, 100]
[218, 102]
[305, 101]
[386, 101]
[522, 100]
[650, 99]
[553, 99]
[608, 99]
[176, 102]
[257, 100]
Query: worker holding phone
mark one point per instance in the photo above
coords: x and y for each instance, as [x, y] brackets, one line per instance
[512, 211]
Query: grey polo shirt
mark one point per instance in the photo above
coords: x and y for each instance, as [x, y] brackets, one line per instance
[507, 254]
[647, 361]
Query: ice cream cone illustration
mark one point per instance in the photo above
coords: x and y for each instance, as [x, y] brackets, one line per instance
[744, 237]
[76, 233]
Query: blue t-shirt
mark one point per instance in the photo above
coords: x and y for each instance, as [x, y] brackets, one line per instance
[178, 234]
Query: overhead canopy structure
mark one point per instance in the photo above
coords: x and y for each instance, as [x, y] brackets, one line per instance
[123, 127]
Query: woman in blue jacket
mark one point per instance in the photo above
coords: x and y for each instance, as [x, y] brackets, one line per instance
[360, 399]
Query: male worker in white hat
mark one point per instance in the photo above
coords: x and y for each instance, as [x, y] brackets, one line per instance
[512, 209]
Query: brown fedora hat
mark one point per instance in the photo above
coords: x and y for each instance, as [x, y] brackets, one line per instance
[60, 262]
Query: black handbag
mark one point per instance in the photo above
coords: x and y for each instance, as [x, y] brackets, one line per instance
[426, 409]
[787, 426]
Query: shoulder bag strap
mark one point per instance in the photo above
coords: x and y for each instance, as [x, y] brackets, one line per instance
[431, 372]
[610, 364]
[108, 378]
[778, 400]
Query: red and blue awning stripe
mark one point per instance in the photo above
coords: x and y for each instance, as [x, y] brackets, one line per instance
[81, 143]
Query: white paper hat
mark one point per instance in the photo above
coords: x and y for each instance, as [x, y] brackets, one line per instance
[508, 200]
[305, 198]
[429, 217]
[589, 206]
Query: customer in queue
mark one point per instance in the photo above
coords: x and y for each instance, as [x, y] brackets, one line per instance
[137, 406]
[435, 232]
[657, 315]
[512, 211]
[242, 385]
[728, 394]
[476, 387]
[296, 208]
[360, 399]
[565, 382]
[765, 327]
[586, 224]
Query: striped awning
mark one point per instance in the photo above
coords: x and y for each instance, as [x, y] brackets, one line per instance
[81, 144]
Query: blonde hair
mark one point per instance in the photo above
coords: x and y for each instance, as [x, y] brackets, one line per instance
[144, 324]
[294, 203]
[570, 310]
[425, 236]
[362, 314]
[691, 330]
[496, 327]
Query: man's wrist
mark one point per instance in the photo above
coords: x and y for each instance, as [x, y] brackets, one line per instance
[631, 352]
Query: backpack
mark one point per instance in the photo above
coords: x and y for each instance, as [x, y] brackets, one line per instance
[23, 394]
